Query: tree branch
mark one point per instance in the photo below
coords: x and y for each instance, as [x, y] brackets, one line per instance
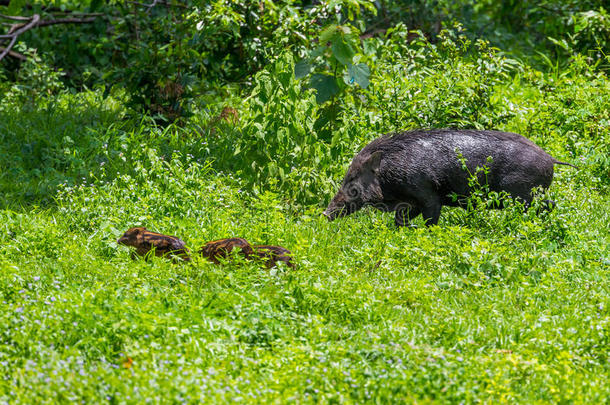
[15, 17]
[33, 22]
[155, 2]
[8, 49]
[69, 20]
[15, 54]
[15, 32]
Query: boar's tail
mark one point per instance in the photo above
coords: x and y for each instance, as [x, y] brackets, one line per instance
[557, 162]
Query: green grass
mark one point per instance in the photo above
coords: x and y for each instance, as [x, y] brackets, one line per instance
[488, 306]
[493, 306]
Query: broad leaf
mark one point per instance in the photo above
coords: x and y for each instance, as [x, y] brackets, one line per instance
[317, 52]
[302, 69]
[342, 51]
[328, 33]
[325, 85]
[357, 73]
[15, 6]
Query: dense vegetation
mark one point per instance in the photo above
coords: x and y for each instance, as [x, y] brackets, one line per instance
[210, 119]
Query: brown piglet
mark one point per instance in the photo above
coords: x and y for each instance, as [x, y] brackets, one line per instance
[163, 245]
[270, 255]
[222, 248]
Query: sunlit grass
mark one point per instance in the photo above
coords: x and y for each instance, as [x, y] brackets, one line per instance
[488, 306]
[460, 312]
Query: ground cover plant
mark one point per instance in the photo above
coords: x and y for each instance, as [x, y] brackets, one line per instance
[490, 305]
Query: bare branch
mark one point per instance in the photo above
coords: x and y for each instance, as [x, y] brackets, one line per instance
[68, 20]
[14, 33]
[150, 7]
[15, 17]
[35, 21]
[19, 29]
[8, 49]
[15, 54]
[155, 2]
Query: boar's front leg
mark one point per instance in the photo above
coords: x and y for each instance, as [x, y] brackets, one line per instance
[405, 213]
[431, 213]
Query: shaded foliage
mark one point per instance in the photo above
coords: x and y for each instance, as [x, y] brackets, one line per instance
[172, 58]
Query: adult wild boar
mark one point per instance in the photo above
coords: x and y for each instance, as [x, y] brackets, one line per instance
[417, 172]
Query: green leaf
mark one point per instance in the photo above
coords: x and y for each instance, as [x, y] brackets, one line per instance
[302, 69]
[325, 85]
[344, 29]
[326, 115]
[95, 4]
[342, 51]
[357, 73]
[579, 26]
[15, 6]
[328, 33]
[562, 43]
[317, 52]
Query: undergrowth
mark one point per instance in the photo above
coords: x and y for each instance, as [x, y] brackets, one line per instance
[490, 305]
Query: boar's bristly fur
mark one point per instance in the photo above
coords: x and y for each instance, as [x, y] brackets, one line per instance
[163, 245]
[222, 248]
[273, 254]
[268, 254]
[417, 172]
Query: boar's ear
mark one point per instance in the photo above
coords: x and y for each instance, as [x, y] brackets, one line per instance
[373, 161]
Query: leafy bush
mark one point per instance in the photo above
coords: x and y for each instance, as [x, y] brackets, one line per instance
[448, 84]
[171, 59]
[36, 83]
[278, 145]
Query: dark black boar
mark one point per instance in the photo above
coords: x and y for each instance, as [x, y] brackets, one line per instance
[417, 172]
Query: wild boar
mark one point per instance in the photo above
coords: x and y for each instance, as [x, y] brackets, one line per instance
[222, 248]
[163, 245]
[417, 172]
[273, 254]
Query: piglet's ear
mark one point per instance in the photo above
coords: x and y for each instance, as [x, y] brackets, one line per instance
[373, 161]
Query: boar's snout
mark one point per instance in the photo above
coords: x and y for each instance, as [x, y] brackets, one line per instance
[331, 215]
[338, 207]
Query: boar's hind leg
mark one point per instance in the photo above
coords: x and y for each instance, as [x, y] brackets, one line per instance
[404, 214]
